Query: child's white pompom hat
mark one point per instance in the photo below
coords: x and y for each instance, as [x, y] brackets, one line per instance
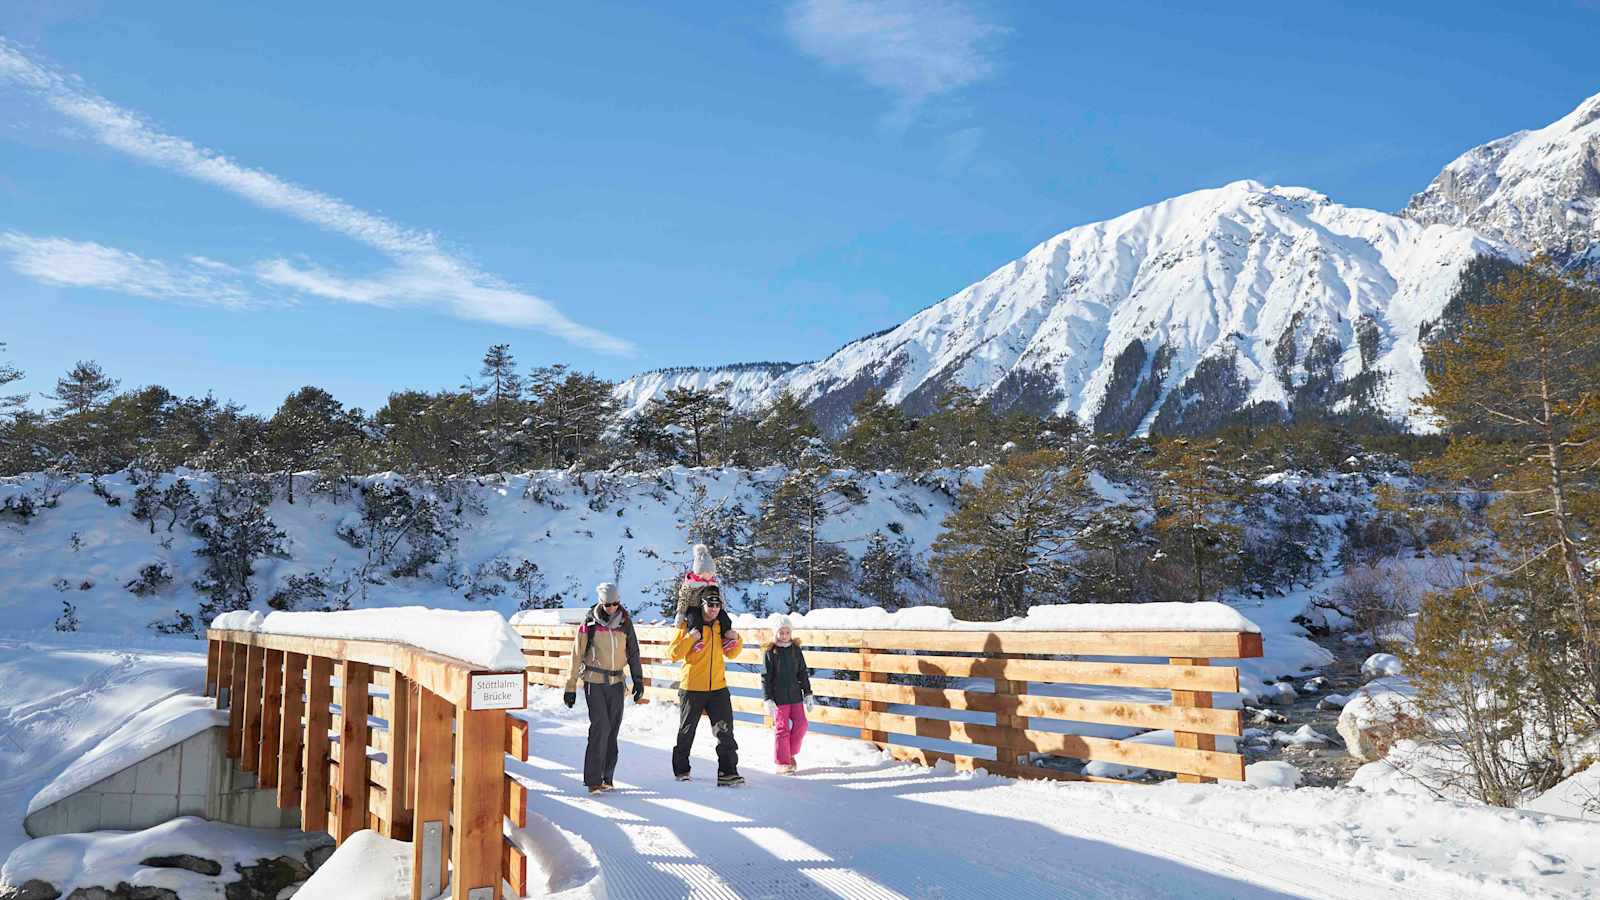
[704, 567]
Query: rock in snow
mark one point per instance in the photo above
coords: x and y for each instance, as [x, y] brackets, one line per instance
[1366, 722]
[1379, 665]
[1272, 773]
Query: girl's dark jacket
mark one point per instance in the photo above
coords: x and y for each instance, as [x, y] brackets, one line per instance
[784, 678]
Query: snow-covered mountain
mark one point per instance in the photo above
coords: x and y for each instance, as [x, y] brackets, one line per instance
[1538, 191]
[1169, 318]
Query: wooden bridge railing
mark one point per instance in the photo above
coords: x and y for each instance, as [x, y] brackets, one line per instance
[876, 668]
[430, 768]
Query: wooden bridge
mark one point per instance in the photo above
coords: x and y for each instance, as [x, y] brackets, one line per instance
[432, 767]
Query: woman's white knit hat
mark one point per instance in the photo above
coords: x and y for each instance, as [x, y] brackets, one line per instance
[607, 592]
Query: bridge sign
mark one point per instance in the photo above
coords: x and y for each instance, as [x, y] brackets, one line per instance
[499, 690]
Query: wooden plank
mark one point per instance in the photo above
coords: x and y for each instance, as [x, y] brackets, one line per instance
[1146, 675]
[236, 703]
[1145, 756]
[315, 794]
[517, 802]
[515, 869]
[250, 747]
[433, 748]
[1139, 715]
[271, 718]
[397, 814]
[213, 667]
[476, 843]
[1194, 699]
[517, 738]
[350, 792]
[224, 672]
[291, 734]
[1159, 644]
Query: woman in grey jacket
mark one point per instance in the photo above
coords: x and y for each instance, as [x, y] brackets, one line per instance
[604, 644]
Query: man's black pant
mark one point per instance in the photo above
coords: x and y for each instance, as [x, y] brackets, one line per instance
[719, 705]
[605, 721]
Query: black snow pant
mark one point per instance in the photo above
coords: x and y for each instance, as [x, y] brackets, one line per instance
[719, 705]
[605, 721]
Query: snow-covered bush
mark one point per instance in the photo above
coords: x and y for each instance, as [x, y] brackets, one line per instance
[152, 579]
[236, 531]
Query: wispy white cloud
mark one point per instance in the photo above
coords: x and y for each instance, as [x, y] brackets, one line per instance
[86, 264]
[425, 273]
[914, 50]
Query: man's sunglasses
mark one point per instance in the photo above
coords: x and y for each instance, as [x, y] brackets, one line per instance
[612, 603]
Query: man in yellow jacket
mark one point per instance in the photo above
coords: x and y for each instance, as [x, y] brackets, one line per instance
[704, 643]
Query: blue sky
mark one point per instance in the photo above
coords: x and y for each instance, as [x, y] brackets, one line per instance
[247, 198]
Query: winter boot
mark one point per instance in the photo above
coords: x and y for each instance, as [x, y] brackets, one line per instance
[731, 780]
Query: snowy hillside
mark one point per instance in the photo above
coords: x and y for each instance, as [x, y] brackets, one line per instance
[1170, 318]
[76, 555]
[748, 385]
[1538, 190]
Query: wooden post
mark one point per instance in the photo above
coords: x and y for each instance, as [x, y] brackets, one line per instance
[1201, 699]
[213, 653]
[236, 702]
[871, 707]
[398, 813]
[271, 718]
[433, 750]
[1008, 691]
[319, 719]
[291, 732]
[250, 747]
[350, 796]
[476, 846]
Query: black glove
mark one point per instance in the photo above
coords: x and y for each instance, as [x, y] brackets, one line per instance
[569, 698]
[638, 691]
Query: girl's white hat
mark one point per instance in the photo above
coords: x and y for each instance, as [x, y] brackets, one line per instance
[779, 620]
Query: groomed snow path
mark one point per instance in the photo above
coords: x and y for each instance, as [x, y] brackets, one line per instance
[854, 823]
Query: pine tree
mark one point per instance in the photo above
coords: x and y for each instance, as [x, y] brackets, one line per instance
[785, 430]
[1196, 494]
[884, 566]
[789, 538]
[305, 430]
[1518, 391]
[880, 438]
[570, 411]
[1009, 542]
[698, 413]
[83, 389]
[1113, 550]
[10, 404]
[500, 394]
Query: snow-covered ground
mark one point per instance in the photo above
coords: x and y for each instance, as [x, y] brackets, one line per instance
[61, 696]
[855, 823]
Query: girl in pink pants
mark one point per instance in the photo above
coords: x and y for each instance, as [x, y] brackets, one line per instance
[786, 688]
